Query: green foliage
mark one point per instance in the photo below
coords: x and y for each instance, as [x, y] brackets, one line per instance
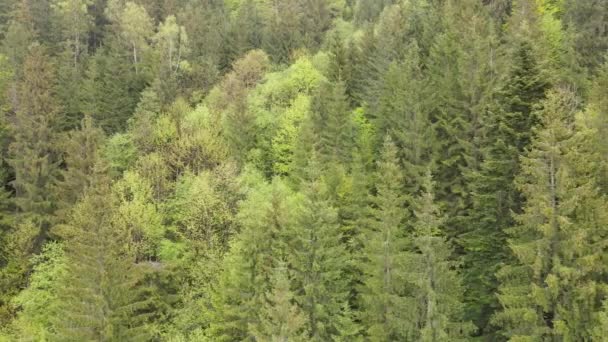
[280, 319]
[436, 291]
[320, 262]
[120, 153]
[254, 254]
[81, 153]
[99, 299]
[384, 303]
[138, 215]
[494, 196]
[259, 170]
[33, 151]
[333, 125]
[585, 21]
[39, 302]
[558, 239]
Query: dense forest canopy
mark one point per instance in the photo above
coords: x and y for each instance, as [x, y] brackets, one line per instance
[304, 170]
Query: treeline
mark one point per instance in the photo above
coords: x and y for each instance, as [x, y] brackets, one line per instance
[304, 170]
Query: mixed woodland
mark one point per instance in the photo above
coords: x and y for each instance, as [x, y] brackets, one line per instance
[304, 170]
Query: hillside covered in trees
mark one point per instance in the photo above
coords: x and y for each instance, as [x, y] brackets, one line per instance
[304, 170]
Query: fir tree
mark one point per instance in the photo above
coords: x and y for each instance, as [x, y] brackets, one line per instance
[333, 126]
[384, 305]
[33, 151]
[81, 154]
[463, 78]
[435, 296]
[403, 115]
[586, 21]
[597, 112]
[248, 268]
[99, 299]
[551, 290]
[280, 318]
[320, 262]
[493, 193]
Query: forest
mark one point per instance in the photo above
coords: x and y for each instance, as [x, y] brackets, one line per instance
[304, 170]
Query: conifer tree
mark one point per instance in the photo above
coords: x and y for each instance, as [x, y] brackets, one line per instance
[33, 152]
[435, 293]
[249, 266]
[100, 299]
[404, 116]
[384, 305]
[246, 32]
[551, 291]
[586, 21]
[597, 112]
[280, 318]
[332, 124]
[320, 262]
[111, 88]
[493, 193]
[81, 154]
[283, 30]
[463, 77]
[369, 10]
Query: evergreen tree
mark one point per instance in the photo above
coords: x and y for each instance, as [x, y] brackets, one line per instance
[237, 119]
[249, 266]
[33, 152]
[81, 153]
[332, 124]
[369, 10]
[384, 305]
[284, 31]
[597, 111]
[280, 318]
[435, 297]
[463, 76]
[493, 193]
[551, 291]
[247, 31]
[586, 21]
[403, 115]
[320, 262]
[112, 88]
[100, 299]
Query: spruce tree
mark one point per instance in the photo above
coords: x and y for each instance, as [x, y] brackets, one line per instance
[435, 292]
[551, 291]
[597, 112]
[320, 262]
[333, 126]
[283, 32]
[33, 151]
[403, 114]
[100, 299]
[81, 154]
[493, 194]
[280, 318]
[463, 77]
[586, 21]
[249, 266]
[112, 87]
[383, 301]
